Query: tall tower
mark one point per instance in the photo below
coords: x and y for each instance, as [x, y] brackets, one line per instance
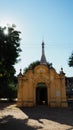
[43, 58]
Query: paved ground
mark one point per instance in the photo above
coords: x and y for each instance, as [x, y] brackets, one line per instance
[35, 118]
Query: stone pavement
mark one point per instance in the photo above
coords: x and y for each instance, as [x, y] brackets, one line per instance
[35, 118]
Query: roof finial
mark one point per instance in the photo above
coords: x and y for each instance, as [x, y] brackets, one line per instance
[61, 72]
[43, 58]
[20, 74]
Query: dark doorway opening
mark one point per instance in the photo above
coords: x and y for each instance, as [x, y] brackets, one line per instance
[41, 94]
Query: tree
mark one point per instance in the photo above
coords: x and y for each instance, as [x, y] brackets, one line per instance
[9, 53]
[34, 64]
[70, 62]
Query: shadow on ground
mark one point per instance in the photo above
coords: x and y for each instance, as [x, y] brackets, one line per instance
[60, 115]
[36, 117]
[4, 104]
[10, 123]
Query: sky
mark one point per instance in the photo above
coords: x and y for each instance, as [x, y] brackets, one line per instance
[50, 21]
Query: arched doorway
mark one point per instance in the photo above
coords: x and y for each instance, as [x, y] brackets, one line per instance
[41, 94]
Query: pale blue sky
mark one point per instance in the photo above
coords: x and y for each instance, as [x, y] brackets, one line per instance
[51, 20]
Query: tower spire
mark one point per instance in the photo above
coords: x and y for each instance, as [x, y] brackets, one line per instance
[43, 58]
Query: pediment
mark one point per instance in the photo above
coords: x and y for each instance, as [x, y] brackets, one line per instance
[41, 69]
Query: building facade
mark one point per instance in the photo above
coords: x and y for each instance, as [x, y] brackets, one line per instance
[69, 86]
[42, 86]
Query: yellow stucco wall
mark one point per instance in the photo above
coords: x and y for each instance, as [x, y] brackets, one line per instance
[55, 84]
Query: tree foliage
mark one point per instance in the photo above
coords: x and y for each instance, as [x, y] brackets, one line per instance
[34, 64]
[9, 53]
[70, 62]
